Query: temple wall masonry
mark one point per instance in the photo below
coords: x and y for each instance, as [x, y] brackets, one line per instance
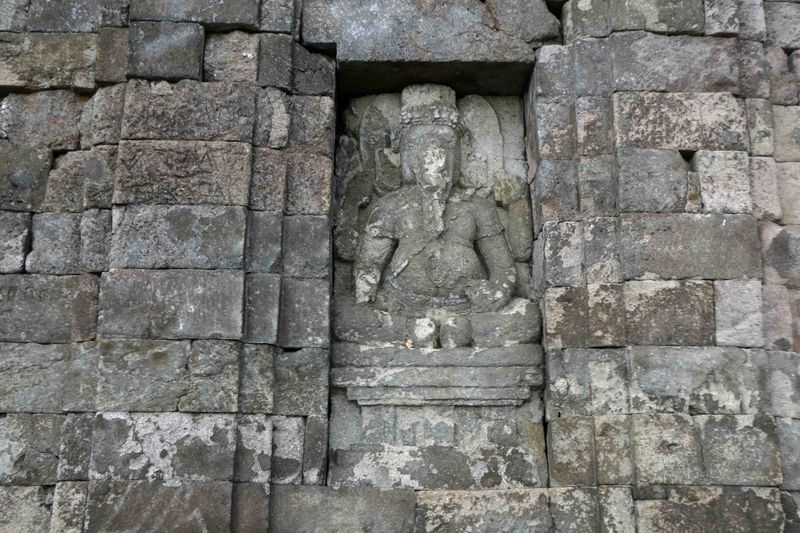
[400, 266]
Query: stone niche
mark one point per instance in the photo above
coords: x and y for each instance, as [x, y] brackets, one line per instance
[436, 362]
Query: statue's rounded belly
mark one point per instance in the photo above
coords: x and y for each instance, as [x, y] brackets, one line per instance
[442, 268]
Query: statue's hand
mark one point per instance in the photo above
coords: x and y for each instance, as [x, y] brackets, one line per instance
[366, 286]
[485, 295]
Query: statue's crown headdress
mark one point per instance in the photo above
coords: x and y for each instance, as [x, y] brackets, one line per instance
[428, 104]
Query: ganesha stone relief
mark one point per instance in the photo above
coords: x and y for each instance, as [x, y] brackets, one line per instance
[435, 361]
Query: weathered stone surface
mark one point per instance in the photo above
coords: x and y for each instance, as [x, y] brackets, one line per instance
[277, 15]
[76, 15]
[231, 14]
[163, 446]
[687, 245]
[789, 192]
[554, 75]
[315, 450]
[783, 24]
[780, 248]
[23, 176]
[601, 250]
[783, 84]
[585, 20]
[269, 180]
[69, 504]
[586, 382]
[594, 119]
[231, 57]
[556, 130]
[165, 50]
[789, 440]
[30, 448]
[571, 454]
[739, 317]
[253, 449]
[313, 73]
[597, 186]
[55, 247]
[787, 133]
[754, 79]
[262, 307]
[320, 509]
[721, 17]
[75, 447]
[158, 505]
[264, 238]
[668, 449]
[764, 188]
[45, 119]
[770, 383]
[213, 377]
[304, 313]
[312, 123]
[693, 64]
[301, 383]
[81, 179]
[472, 511]
[257, 378]
[36, 61]
[614, 450]
[306, 249]
[250, 506]
[15, 235]
[101, 116]
[13, 14]
[777, 321]
[564, 253]
[724, 181]
[760, 126]
[671, 16]
[178, 237]
[25, 508]
[651, 180]
[272, 119]
[275, 53]
[702, 380]
[41, 308]
[749, 509]
[188, 110]
[554, 192]
[288, 442]
[565, 317]
[669, 312]
[681, 121]
[606, 315]
[95, 240]
[174, 172]
[518, 322]
[175, 304]
[740, 450]
[111, 65]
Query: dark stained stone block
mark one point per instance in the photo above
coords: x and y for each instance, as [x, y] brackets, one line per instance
[37, 61]
[210, 13]
[262, 304]
[165, 50]
[23, 176]
[304, 314]
[301, 383]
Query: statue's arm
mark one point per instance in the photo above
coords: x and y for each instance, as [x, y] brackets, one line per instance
[374, 251]
[494, 293]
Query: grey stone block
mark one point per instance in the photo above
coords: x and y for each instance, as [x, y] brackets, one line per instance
[651, 180]
[301, 383]
[740, 450]
[250, 507]
[69, 506]
[614, 450]
[574, 508]
[257, 381]
[555, 130]
[15, 235]
[760, 126]
[565, 317]
[554, 193]
[517, 323]
[102, 116]
[177, 304]
[75, 447]
[763, 368]
[789, 192]
[721, 17]
[178, 237]
[702, 380]
[76, 15]
[41, 308]
[37, 61]
[571, 451]
[154, 505]
[320, 509]
[277, 15]
[95, 240]
[65, 381]
[315, 451]
[56, 244]
[764, 188]
[111, 64]
[754, 78]
[81, 179]
[165, 50]
[288, 435]
[680, 121]
[312, 123]
[564, 253]
[671, 16]
[687, 245]
[27, 508]
[275, 52]
[304, 320]
[579, 22]
[142, 375]
[272, 119]
[739, 315]
[601, 250]
[30, 443]
[780, 248]
[669, 312]
[213, 377]
[594, 120]
[175, 172]
[606, 315]
[668, 449]
[789, 440]
[724, 181]
[253, 458]
[783, 24]
[163, 446]
[647, 62]
[231, 14]
[554, 75]
[23, 176]
[508, 510]
[264, 238]
[307, 246]
[45, 119]
[13, 14]
[231, 57]
[777, 321]
[313, 73]
[269, 180]
[262, 307]
[188, 110]
[783, 89]
[787, 133]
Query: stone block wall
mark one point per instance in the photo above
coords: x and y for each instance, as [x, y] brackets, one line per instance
[166, 207]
